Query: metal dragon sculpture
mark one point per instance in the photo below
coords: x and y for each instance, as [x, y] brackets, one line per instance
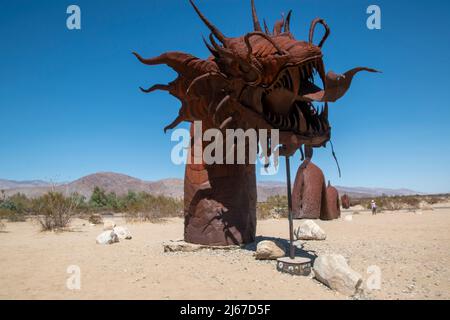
[261, 80]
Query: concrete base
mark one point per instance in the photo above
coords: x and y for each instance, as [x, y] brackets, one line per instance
[298, 266]
[183, 246]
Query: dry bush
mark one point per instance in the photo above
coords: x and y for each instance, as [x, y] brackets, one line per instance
[95, 219]
[12, 216]
[274, 207]
[412, 201]
[146, 207]
[14, 208]
[435, 199]
[393, 203]
[54, 211]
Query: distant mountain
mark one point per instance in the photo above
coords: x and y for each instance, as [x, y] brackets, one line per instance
[12, 184]
[109, 181]
[168, 187]
[361, 192]
[121, 184]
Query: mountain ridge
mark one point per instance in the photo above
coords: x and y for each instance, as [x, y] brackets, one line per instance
[171, 187]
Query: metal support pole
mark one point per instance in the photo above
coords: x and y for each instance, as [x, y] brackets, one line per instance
[300, 266]
[289, 196]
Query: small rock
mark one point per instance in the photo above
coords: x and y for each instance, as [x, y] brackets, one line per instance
[107, 237]
[333, 271]
[269, 250]
[309, 230]
[348, 217]
[108, 225]
[122, 233]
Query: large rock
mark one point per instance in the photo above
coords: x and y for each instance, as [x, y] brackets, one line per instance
[107, 237]
[108, 225]
[333, 271]
[269, 250]
[309, 230]
[308, 192]
[348, 218]
[123, 233]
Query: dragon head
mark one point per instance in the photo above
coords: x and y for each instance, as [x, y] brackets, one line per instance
[264, 79]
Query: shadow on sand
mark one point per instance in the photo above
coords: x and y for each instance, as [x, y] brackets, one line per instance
[299, 247]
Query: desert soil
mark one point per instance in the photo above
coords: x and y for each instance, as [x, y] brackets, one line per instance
[411, 249]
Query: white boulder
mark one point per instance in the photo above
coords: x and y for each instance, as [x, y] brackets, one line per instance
[348, 217]
[333, 271]
[122, 233]
[107, 237]
[108, 225]
[309, 230]
[269, 250]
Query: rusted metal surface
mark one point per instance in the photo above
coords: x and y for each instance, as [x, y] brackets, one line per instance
[290, 216]
[331, 209]
[309, 187]
[345, 201]
[263, 79]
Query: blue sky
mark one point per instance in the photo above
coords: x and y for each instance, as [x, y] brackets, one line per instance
[70, 104]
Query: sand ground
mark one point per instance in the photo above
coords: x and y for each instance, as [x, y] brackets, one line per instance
[412, 251]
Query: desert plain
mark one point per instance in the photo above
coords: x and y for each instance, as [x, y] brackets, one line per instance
[411, 249]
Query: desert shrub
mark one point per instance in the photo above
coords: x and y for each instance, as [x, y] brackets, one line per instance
[412, 201]
[356, 201]
[95, 219]
[12, 216]
[81, 204]
[5, 213]
[435, 199]
[15, 208]
[393, 202]
[98, 199]
[432, 200]
[54, 210]
[399, 202]
[147, 207]
[273, 207]
[101, 201]
[16, 217]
